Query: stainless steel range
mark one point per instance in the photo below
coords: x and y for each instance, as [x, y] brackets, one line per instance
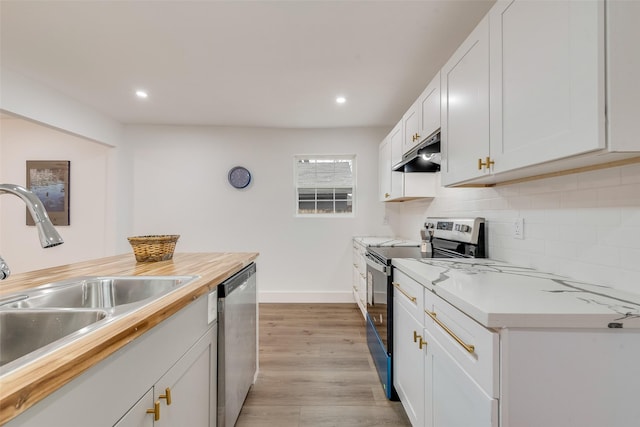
[442, 238]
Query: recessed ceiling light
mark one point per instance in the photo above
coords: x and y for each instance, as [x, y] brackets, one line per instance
[341, 100]
[142, 94]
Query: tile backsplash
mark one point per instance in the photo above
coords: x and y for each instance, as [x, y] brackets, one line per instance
[586, 226]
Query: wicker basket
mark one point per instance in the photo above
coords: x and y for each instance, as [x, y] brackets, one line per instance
[153, 248]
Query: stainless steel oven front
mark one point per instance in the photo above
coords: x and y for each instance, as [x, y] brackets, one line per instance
[380, 308]
[379, 336]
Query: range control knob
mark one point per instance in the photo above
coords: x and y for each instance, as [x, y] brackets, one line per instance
[465, 228]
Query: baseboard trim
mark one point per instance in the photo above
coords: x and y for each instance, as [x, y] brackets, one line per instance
[306, 297]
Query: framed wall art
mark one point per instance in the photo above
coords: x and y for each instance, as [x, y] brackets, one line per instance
[49, 180]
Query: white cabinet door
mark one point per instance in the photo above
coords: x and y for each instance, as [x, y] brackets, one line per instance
[397, 178]
[423, 117]
[452, 398]
[408, 362]
[465, 108]
[384, 170]
[187, 392]
[547, 81]
[411, 126]
[430, 108]
[138, 415]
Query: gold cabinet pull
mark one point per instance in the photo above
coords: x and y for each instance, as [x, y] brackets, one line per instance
[155, 411]
[417, 337]
[487, 163]
[469, 347]
[422, 343]
[397, 286]
[166, 395]
[386, 195]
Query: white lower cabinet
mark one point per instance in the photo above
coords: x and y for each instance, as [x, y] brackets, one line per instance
[138, 415]
[184, 395]
[408, 347]
[360, 276]
[178, 357]
[452, 398]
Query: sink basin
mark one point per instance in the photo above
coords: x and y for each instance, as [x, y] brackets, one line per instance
[23, 331]
[43, 319]
[99, 292]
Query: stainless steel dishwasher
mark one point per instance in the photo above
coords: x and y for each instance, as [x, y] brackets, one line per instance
[237, 343]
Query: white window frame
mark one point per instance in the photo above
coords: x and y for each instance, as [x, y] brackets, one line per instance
[352, 158]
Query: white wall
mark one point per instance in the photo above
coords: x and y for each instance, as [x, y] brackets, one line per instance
[586, 226]
[181, 188]
[86, 237]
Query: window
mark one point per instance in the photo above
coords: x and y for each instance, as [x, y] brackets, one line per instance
[325, 185]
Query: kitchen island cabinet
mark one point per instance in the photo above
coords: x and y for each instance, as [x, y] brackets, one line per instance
[168, 328]
[509, 346]
[178, 354]
[185, 395]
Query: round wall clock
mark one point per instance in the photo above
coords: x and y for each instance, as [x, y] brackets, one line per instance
[239, 177]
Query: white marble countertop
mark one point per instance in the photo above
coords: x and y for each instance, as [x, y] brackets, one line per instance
[384, 241]
[500, 295]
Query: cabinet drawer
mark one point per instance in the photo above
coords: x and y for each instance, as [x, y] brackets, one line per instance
[409, 293]
[472, 345]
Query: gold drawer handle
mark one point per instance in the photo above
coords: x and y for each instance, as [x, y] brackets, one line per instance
[469, 347]
[397, 286]
[386, 195]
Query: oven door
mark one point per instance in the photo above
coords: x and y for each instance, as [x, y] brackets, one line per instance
[379, 328]
[378, 283]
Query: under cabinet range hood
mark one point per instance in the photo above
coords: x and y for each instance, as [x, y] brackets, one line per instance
[425, 157]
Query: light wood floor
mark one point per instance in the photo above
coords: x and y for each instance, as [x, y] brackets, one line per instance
[316, 371]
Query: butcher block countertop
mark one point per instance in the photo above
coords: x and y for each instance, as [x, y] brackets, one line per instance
[25, 386]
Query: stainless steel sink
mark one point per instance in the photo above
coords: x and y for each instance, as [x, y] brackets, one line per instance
[43, 319]
[98, 292]
[23, 331]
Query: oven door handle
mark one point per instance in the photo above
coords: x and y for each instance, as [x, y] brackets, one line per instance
[371, 262]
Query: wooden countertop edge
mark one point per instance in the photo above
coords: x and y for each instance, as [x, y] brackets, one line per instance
[24, 387]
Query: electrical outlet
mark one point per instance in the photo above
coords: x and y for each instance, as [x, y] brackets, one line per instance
[518, 228]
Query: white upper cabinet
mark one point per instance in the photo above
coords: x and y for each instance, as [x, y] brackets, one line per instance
[400, 186]
[384, 170]
[391, 183]
[526, 94]
[465, 108]
[423, 118]
[623, 69]
[546, 80]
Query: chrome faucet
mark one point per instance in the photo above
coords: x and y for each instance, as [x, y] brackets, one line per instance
[49, 237]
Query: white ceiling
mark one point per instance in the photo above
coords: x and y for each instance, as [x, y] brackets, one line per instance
[237, 63]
